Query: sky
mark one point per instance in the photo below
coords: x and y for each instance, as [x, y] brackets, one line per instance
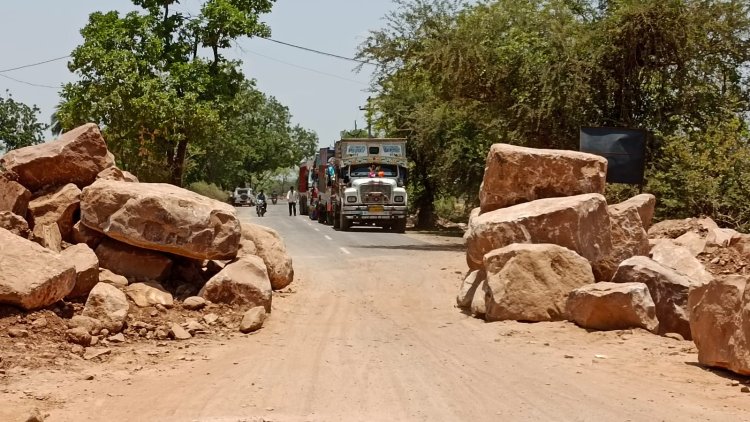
[323, 93]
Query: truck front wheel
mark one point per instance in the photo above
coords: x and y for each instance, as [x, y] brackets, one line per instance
[400, 226]
[344, 224]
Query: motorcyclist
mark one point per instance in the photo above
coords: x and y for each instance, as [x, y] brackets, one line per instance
[261, 196]
[261, 207]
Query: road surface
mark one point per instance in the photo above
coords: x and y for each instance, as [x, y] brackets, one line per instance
[370, 333]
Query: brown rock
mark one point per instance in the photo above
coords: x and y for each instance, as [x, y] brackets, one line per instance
[478, 306]
[162, 217]
[78, 336]
[132, 262]
[612, 306]
[114, 173]
[672, 229]
[580, 223]
[13, 196]
[691, 240]
[531, 282]
[721, 238]
[109, 305]
[116, 280]
[149, 294]
[194, 303]
[680, 259]
[48, 235]
[92, 325]
[644, 203]
[76, 157]
[31, 276]
[243, 282]
[87, 268]
[628, 235]
[83, 234]
[270, 247]
[253, 319]
[58, 207]
[669, 291]
[470, 284]
[179, 333]
[14, 224]
[515, 175]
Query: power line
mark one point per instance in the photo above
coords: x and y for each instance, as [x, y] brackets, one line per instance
[35, 64]
[312, 50]
[29, 83]
[307, 68]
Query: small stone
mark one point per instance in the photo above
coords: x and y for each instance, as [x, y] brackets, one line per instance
[88, 377]
[674, 336]
[93, 352]
[734, 383]
[159, 307]
[253, 319]
[745, 389]
[78, 335]
[94, 340]
[17, 333]
[210, 318]
[36, 416]
[39, 322]
[104, 332]
[194, 326]
[161, 334]
[117, 338]
[179, 333]
[154, 313]
[194, 303]
[569, 356]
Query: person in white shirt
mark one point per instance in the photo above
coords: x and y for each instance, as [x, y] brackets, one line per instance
[292, 198]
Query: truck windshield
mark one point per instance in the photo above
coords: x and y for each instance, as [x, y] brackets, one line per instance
[363, 170]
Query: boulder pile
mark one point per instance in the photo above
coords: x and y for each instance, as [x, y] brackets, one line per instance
[74, 227]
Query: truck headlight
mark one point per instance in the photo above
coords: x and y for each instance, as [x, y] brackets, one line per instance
[351, 199]
[398, 198]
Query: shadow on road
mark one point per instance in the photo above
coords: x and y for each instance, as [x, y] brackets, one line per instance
[416, 247]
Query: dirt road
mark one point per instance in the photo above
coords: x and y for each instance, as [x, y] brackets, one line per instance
[371, 334]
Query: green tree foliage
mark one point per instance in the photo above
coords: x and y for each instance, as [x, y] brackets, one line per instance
[455, 78]
[18, 124]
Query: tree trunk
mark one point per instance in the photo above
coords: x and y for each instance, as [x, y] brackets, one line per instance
[178, 165]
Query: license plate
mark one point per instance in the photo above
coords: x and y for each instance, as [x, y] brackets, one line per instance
[375, 208]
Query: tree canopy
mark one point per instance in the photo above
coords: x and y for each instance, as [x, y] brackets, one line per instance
[19, 126]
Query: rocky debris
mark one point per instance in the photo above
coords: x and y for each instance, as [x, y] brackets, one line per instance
[87, 268]
[14, 223]
[470, 284]
[31, 276]
[243, 282]
[132, 262]
[194, 327]
[92, 325]
[531, 282]
[514, 175]
[109, 305]
[75, 157]
[149, 294]
[13, 196]
[681, 260]
[83, 234]
[48, 236]
[179, 333]
[79, 335]
[114, 173]
[107, 276]
[669, 291]
[720, 325]
[194, 303]
[270, 247]
[162, 217]
[580, 223]
[612, 306]
[253, 319]
[58, 207]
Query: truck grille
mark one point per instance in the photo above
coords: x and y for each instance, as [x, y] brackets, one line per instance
[375, 193]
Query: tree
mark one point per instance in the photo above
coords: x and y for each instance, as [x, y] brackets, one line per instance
[18, 124]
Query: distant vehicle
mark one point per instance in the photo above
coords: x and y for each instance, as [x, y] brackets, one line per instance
[274, 198]
[243, 197]
[260, 208]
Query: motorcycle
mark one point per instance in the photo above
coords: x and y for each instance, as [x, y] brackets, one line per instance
[260, 208]
[274, 198]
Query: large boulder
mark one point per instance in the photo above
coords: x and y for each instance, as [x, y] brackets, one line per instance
[531, 282]
[87, 268]
[580, 223]
[629, 238]
[680, 259]
[58, 207]
[270, 247]
[243, 282]
[672, 229]
[114, 173]
[131, 262]
[14, 223]
[31, 276]
[612, 306]
[13, 196]
[109, 305]
[720, 324]
[644, 203]
[75, 157]
[162, 217]
[669, 291]
[514, 175]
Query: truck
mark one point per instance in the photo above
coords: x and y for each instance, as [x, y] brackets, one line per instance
[363, 183]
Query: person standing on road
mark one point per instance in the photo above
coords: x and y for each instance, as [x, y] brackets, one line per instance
[292, 197]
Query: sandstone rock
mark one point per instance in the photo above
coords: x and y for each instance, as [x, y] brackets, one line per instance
[149, 294]
[680, 259]
[31, 276]
[87, 268]
[612, 306]
[14, 223]
[114, 173]
[672, 229]
[270, 247]
[628, 235]
[162, 217]
[580, 223]
[692, 241]
[210, 319]
[514, 175]
[58, 207]
[95, 352]
[75, 157]
[644, 203]
[253, 319]
[78, 336]
[92, 325]
[719, 325]
[13, 196]
[669, 291]
[243, 282]
[468, 287]
[107, 276]
[478, 306]
[179, 333]
[117, 338]
[109, 305]
[531, 282]
[194, 303]
[17, 333]
[48, 236]
[83, 234]
[194, 327]
[132, 262]
[721, 238]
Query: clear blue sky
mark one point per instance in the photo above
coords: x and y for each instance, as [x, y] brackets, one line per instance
[35, 30]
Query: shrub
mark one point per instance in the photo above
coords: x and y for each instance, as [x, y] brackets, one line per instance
[210, 190]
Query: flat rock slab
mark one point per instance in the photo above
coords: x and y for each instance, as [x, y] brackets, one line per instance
[612, 306]
[162, 217]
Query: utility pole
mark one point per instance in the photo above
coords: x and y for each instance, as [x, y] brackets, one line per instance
[366, 109]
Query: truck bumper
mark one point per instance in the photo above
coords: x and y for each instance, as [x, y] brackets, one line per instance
[371, 214]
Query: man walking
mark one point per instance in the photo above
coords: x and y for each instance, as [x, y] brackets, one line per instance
[292, 197]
